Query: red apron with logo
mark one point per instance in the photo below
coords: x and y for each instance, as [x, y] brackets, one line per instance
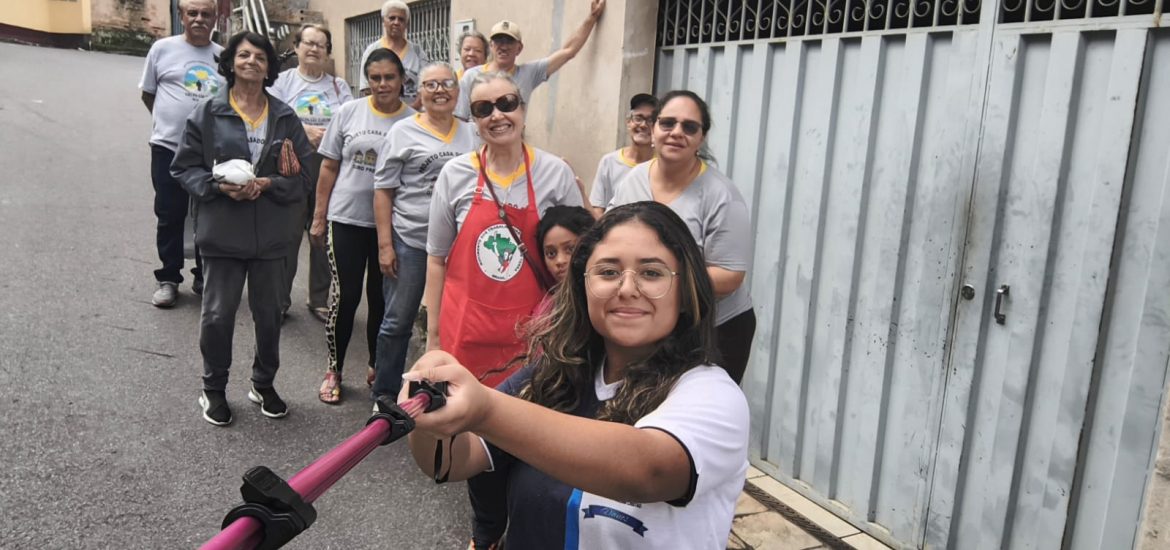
[489, 289]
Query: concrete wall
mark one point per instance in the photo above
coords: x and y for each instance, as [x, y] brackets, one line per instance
[1155, 530]
[129, 25]
[578, 113]
[49, 16]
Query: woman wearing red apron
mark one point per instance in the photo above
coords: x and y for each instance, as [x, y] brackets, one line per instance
[484, 212]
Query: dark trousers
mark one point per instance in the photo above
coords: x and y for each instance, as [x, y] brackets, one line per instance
[488, 492]
[735, 343]
[222, 290]
[353, 255]
[171, 204]
[319, 275]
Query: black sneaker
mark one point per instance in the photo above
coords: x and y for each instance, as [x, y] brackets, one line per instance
[166, 295]
[197, 287]
[271, 405]
[215, 407]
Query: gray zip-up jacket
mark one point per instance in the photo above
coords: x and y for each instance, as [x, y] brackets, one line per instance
[224, 227]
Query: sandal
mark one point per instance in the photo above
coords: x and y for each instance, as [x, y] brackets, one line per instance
[370, 374]
[330, 391]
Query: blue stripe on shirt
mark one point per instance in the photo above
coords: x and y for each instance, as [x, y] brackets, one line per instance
[572, 521]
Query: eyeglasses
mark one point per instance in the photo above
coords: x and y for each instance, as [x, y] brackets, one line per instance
[446, 84]
[640, 119]
[316, 45]
[604, 281]
[505, 103]
[689, 127]
[194, 14]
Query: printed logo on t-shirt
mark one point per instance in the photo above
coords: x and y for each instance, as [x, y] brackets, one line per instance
[200, 80]
[365, 160]
[313, 108]
[497, 253]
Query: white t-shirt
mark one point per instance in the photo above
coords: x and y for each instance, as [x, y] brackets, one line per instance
[355, 137]
[527, 77]
[610, 170]
[257, 137]
[314, 101]
[413, 60]
[707, 413]
[553, 184]
[179, 76]
[718, 218]
[411, 159]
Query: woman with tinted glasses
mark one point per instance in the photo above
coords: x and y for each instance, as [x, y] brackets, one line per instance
[415, 151]
[484, 271]
[620, 433]
[315, 95]
[345, 204]
[681, 178]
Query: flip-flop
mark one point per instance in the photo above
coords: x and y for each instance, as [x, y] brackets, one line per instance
[330, 391]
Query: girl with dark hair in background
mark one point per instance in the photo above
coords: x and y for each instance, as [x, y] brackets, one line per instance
[681, 177]
[242, 230]
[602, 437]
[345, 203]
[314, 95]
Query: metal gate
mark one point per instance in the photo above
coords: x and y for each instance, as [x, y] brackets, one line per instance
[430, 29]
[905, 160]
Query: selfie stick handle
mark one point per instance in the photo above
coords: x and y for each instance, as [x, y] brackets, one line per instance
[275, 511]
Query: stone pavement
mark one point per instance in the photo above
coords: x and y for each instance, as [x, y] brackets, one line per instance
[758, 526]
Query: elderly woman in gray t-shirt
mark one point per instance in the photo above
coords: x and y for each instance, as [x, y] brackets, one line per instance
[712, 207]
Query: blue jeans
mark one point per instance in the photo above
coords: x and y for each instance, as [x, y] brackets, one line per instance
[403, 296]
[171, 204]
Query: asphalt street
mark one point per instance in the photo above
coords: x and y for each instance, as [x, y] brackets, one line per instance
[103, 445]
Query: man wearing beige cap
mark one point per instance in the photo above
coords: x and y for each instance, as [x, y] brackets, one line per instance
[506, 45]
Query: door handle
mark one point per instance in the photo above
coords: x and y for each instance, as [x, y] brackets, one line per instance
[1000, 293]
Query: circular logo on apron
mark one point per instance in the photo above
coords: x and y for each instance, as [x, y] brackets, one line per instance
[498, 254]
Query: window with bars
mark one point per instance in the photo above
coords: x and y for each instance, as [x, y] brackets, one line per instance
[430, 29]
[693, 22]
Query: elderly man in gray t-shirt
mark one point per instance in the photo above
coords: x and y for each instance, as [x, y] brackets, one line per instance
[180, 72]
[506, 46]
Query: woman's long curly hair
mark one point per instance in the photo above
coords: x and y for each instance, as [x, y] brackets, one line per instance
[566, 349]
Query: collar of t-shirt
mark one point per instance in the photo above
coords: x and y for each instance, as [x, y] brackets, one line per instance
[604, 391]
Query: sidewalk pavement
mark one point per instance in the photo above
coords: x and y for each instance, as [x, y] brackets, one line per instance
[759, 526]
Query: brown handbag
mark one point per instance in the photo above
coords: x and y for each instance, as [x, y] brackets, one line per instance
[290, 165]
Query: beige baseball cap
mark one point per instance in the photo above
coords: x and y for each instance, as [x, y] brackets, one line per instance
[506, 28]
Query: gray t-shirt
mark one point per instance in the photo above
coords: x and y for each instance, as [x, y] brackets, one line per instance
[413, 60]
[553, 184]
[527, 77]
[411, 159]
[257, 136]
[179, 76]
[314, 101]
[355, 137]
[718, 218]
[610, 170]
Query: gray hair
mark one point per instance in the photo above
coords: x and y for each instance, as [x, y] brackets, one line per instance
[183, 4]
[395, 5]
[437, 64]
[485, 77]
[472, 33]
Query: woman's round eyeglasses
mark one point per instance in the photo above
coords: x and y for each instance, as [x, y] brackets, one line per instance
[653, 281]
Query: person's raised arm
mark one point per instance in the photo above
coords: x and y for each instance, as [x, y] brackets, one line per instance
[574, 44]
[617, 461]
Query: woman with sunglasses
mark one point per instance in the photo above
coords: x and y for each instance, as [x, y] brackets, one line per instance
[483, 271]
[415, 151]
[314, 95]
[681, 178]
[345, 204]
[601, 440]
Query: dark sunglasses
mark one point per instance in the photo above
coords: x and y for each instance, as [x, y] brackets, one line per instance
[689, 127]
[505, 103]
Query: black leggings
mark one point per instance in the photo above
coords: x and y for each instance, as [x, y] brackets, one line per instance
[353, 252]
[734, 340]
